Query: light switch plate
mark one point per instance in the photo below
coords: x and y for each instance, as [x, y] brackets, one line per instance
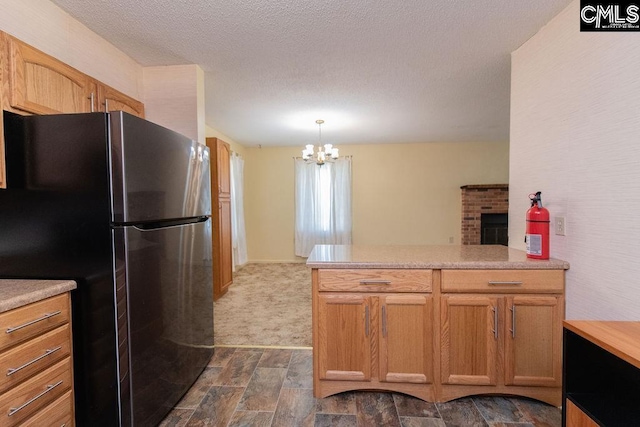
[560, 226]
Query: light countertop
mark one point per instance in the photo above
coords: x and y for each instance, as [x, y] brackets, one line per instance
[19, 292]
[436, 257]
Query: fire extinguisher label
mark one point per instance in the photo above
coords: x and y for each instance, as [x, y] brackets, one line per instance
[534, 244]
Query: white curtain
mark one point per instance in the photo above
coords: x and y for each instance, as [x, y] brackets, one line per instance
[238, 233]
[323, 204]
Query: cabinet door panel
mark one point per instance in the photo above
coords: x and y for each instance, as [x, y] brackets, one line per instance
[226, 248]
[113, 100]
[224, 169]
[344, 337]
[533, 344]
[406, 353]
[469, 340]
[41, 84]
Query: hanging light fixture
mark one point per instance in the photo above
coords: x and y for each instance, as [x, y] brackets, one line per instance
[328, 154]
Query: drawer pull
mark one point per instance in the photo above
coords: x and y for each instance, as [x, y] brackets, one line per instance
[366, 322]
[47, 352]
[495, 323]
[40, 319]
[13, 411]
[508, 283]
[375, 282]
[384, 321]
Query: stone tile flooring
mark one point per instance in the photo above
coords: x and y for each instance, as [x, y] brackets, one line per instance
[273, 387]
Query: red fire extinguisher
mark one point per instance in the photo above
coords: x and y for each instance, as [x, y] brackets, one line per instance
[537, 234]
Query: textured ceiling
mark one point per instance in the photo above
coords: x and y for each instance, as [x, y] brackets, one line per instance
[376, 71]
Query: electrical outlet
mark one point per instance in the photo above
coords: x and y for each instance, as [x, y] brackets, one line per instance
[451, 239]
[560, 226]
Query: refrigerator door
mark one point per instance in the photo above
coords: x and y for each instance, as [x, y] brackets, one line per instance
[165, 306]
[156, 174]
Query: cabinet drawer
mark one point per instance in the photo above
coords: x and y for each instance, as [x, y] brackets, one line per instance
[503, 281]
[59, 413]
[375, 280]
[31, 320]
[35, 355]
[34, 394]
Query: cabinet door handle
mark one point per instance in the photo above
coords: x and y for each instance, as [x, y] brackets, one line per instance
[505, 283]
[495, 322]
[366, 320]
[47, 352]
[13, 411]
[513, 321]
[92, 98]
[106, 105]
[39, 319]
[375, 282]
[384, 320]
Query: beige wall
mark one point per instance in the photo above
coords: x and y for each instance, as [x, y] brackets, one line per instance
[575, 99]
[235, 147]
[402, 193]
[45, 26]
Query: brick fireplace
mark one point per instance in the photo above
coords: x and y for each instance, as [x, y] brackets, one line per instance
[487, 200]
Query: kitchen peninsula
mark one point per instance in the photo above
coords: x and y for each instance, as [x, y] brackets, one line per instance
[437, 322]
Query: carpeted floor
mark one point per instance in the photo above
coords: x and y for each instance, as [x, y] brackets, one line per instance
[267, 305]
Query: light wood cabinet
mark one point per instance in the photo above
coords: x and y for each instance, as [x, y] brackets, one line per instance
[501, 332]
[36, 359]
[519, 333]
[40, 84]
[109, 99]
[469, 341]
[220, 155]
[372, 333]
[438, 334]
[344, 344]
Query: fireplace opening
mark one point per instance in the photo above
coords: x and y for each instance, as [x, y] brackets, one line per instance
[494, 229]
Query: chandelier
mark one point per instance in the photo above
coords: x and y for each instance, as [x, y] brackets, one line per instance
[328, 154]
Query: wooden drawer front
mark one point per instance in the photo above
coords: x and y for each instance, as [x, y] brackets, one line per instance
[34, 394]
[503, 281]
[23, 361]
[375, 280]
[31, 320]
[59, 413]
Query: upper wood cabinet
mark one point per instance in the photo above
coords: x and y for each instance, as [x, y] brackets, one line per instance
[40, 84]
[110, 99]
[32, 82]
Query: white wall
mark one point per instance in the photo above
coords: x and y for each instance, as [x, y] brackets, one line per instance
[48, 28]
[575, 122]
[174, 98]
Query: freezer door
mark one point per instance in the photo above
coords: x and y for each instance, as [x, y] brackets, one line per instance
[156, 174]
[164, 293]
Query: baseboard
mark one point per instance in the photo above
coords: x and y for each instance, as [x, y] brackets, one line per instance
[272, 261]
[279, 347]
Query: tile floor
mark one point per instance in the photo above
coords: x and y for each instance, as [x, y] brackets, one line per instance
[273, 387]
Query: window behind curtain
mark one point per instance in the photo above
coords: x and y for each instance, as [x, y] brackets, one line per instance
[323, 204]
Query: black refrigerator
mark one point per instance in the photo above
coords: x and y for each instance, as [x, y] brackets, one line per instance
[122, 206]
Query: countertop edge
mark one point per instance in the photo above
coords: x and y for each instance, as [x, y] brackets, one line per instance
[471, 265]
[20, 292]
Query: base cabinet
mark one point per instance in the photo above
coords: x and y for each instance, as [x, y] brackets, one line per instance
[464, 333]
[36, 388]
[373, 339]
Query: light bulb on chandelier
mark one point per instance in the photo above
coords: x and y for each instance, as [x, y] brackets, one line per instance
[329, 153]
